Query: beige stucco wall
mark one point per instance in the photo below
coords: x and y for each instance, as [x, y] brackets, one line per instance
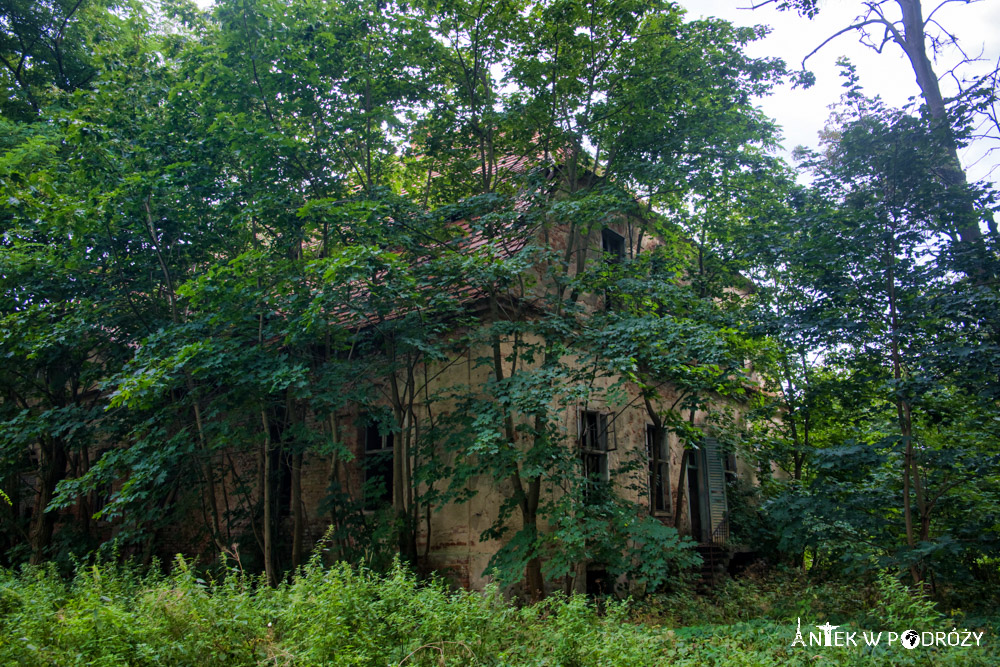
[455, 546]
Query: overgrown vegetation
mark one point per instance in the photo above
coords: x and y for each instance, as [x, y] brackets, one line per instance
[112, 615]
[232, 237]
[885, 353]
[259, 228]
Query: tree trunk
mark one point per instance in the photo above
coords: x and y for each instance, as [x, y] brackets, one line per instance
[406, 536]
[911, 476]
[914, 45]
[268, 500]
[53, 469]
[412, 507]
[298, 520]
[534, 583]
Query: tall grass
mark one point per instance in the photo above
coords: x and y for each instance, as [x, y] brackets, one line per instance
[339, 615]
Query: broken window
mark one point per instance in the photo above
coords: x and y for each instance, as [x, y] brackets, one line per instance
[657, 453]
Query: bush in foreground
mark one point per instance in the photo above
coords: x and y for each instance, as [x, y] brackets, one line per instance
[341, 616]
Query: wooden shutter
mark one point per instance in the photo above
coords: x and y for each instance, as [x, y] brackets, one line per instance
[715, 476]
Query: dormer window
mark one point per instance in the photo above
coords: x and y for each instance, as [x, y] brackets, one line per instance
[613, 245]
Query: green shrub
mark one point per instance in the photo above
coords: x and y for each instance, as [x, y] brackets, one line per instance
[341, 615]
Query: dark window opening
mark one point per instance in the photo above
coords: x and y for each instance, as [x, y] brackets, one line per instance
[613, 245]
[377, 464]
[594, 454]
[657, 453]
[598, 583]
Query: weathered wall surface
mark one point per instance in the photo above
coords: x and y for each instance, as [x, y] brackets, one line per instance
[451, 539]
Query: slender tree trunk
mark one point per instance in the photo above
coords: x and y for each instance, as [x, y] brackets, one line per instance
[533, 580]
[907, 491]
[402, 405]
[911, 476]
[207, 469]
[533, 570]
[527, 498]
[53, 469]
[152, 537]
[298, 519]
[412, 506]
[268, 500]
[334, 481]
[206, 460]
[406, 534]
[87, 501]
[793, 416]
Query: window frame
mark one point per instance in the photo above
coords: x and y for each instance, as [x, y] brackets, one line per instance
[731, 465]
[595, 440]
[658, 471]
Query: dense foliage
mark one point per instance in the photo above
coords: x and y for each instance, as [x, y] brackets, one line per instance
[227, 234]
[886, 354]
[340, 616]
[244, 224]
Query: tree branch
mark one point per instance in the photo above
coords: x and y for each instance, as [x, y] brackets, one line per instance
[942, 4]
[850, 28]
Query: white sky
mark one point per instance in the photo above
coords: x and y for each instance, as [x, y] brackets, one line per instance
[803, 113]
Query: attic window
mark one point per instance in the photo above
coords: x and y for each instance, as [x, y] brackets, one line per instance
[613, 245]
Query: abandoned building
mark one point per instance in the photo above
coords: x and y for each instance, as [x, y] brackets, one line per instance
[605, 432]
[675, 484]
